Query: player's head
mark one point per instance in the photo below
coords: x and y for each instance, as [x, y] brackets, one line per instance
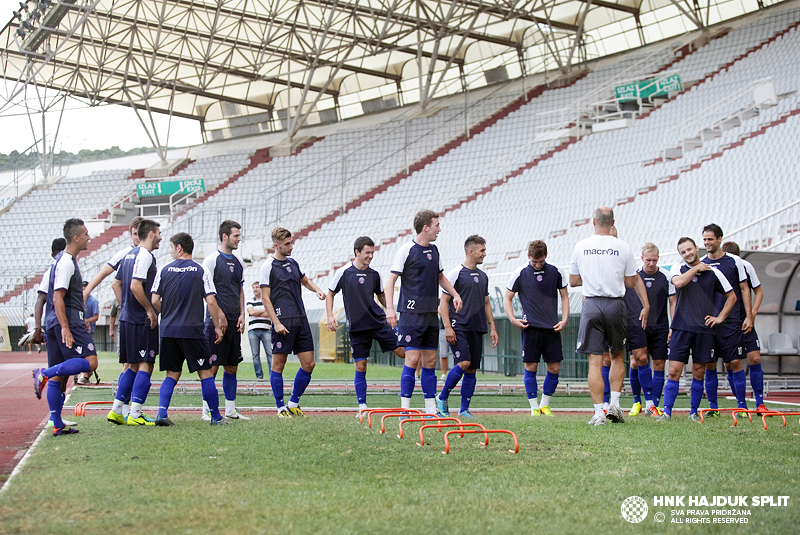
[731, 247]
[75, 232]
[537, 254]
[230, 234]
[603, 218]
[475, 247]
[427, 222]
[282, 239]
[149, 232]
[687, 248]
[179, 244]
[58, 245]
[712, 237]
[650, 256]
[364, 249]
[133, 229]
[257, 290]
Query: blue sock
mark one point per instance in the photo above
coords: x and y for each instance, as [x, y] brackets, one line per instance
[531, 385]
[550, 383]
[428, 381]
[636, 388]
[211, 397]
[757, 382]
[467, 390]
[301, 380]
[731, 383]
[740, 380]
[453, 377]
[646, 380]
[55, 402]
[407, 381]
[141, 387]
[68, 367]
[712, 385]
[606, 384]
[229, 386]
[658, 386]
[125, 386]
[360, 384]
[670, 394]
[276, 382]
[696, 394]
[165, 396]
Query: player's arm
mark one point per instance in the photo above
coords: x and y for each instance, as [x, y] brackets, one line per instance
[673, 300]
[104, 272]
[241, 321]
[61, 314]
[447, 286]
[747, 324]
[490, 320]
[215, 313]
[388, 292]
[277, 326]
[116, 286]
[137, 289]
[155, 299]
[91, 319]
[558, 327]
[308, 283]
[679, 281]
[332, 323]
[759, 297]
[444, 312]
[641, 292]
[508, 306]
[575, 280]
[38, 309]
[730, 300]
[112, 321]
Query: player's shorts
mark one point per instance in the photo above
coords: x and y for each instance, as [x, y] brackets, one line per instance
[701, 346]
[137, 343]
[654, 341]
[229, 351]
[299, 339]
[194, 351]
[418, 331]
[468, 348]
[541, 344]
[603, 320]
[361, 341]
[750, 342]
[82, 345]
[728, 341]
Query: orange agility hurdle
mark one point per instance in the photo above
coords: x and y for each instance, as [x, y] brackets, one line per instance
[778, 413]
[702, 412]
[80, 408]
[398, 414]
[370, 412]
[473, 431]
[749, 413]
[428, 420]
[441, 426]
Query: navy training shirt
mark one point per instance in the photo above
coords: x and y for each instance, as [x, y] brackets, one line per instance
[658, 287]
[538, 293]
[227, 273]
[65, 275]
[283, 277]
[697, 299]
[732, 267]
[183, 286]
[419, 269]
[138, 264]
[473, 287]
[359, 288]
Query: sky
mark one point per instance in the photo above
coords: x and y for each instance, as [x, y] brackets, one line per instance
[86, 128]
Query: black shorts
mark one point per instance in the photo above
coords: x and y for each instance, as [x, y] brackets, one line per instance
[654, 341]
[229, 351]
[544, 344]
[137, 343]
[299, 340]
[82, 345]
[418, 331]
[701, 346]
[750, 342]
[174, 351]
[728, 341]
[361, 341]
[603, 320]
[468, 347]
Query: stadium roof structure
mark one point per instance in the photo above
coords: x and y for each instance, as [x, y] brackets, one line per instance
[250, 66]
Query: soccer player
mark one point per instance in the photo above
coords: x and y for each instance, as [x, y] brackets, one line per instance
[464, 329]
[138, 325]
[604, 266]
[227, 273]
[694, 319]
[539, 285]
[750, 342]
[281, 293]
[71, 349]
[728, 335]
[419, 267]
[259, 331]
[653, 339]
[178, 292]
[366, 321]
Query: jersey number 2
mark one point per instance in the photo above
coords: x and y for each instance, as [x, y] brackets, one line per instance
[411, 304]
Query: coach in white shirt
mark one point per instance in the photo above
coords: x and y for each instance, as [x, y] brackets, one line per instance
[604, 266]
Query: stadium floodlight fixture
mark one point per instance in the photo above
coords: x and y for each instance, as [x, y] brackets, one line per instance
[35, 15]
[44, 5]
[17, 15]
[27, 24]
[23, 6]
[21, 33]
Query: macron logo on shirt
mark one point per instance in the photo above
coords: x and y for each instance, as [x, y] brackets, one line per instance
[181, 270]
[611, 252]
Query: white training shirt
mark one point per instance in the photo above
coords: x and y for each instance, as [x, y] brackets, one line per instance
[602, 262]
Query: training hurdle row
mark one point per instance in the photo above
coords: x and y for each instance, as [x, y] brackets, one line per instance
[735, 413]
[417, 416]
